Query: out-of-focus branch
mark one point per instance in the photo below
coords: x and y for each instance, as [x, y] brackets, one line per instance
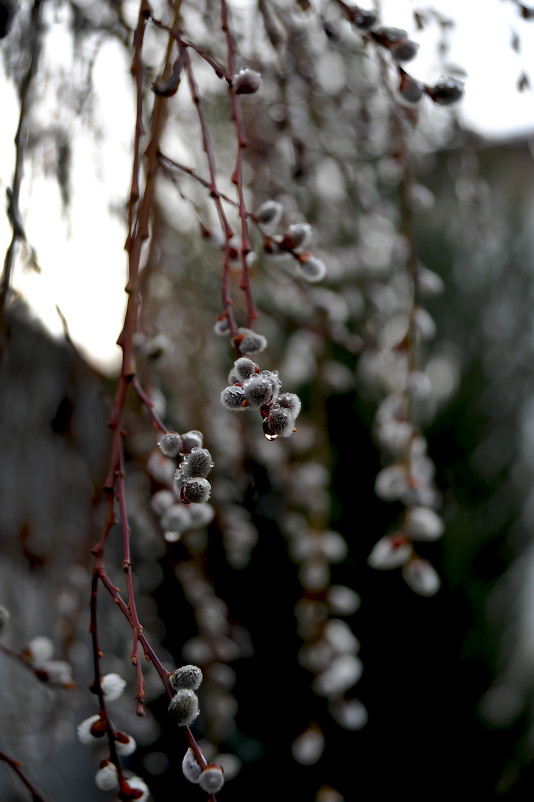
[16, 766]
[13, 193]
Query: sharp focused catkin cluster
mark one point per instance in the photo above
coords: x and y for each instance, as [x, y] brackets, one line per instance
[209, 777]
[190, 481]
[248, 387]
[183, 709]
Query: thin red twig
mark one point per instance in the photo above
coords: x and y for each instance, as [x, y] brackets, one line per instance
[16, 766]
[237, 175]
[214, 192]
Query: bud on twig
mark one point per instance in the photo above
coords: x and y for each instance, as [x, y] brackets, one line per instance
[246, 81]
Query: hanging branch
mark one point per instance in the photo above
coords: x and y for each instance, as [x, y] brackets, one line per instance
[13, 193]
[237, 175]
[16, 766]
[214, 191]
[139, 213]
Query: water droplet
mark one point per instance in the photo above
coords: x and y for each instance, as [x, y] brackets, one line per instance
[267, 432]
[172, 537]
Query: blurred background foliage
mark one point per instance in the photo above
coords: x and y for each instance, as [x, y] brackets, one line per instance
[446, 686]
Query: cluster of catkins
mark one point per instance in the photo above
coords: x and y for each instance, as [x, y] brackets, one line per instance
[39, 654]
[190, 483]
[183, 709]
[93, 730]
[402, 49]
[248, 387]
[294, 241]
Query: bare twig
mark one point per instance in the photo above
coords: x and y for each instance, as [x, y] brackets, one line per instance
[16, 766]
[13, 193]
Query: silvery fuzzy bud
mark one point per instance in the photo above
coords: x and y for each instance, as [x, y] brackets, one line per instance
[191, 440]
[201, 515]
[156, 346]
[222, 327]
[410, 91]
[420, 198]
[137, 784]
[107, 778]
[195, 490]
[125, 744]
[391, 551]
[310, 268]
[364, 19]
[40, 649]
[258, 391]
[112, 686]
[404, 51]
[421, 577]
[211, 779]
[423, 523]
[392, 483]
[290, 401]
[274, 379]
[343, 672]
[244, 368]
[308, 747]
[446, 91]
[270, 213]
[197, 463]
[298, 235]
[189, 677]
[424, 324]
[170, 444]
[390, 35]
[342, 600]
[250, 342]
[348, 713]
[161, 501]
[246, 81]
[190, 767]
[429, 283]
[232, 398]
[183, 707]
[280, 421]
[91, 730]
[56, 672]
[177, 517]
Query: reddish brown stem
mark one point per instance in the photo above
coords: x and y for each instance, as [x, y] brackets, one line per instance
[166, 161]
[237, 177]
[16, 766]
[149, 654]
[214, 192]
[97, 683]
[149, 406]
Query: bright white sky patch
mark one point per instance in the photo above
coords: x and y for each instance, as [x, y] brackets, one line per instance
[480, 43]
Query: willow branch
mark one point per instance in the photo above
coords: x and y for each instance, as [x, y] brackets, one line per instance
[16, 766]
[13, 193]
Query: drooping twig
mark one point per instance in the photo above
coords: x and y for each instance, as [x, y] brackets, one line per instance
[18, 234]
[167, 162]
[237, 176]
[16, 766]
[214, 192]
[139, 215]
